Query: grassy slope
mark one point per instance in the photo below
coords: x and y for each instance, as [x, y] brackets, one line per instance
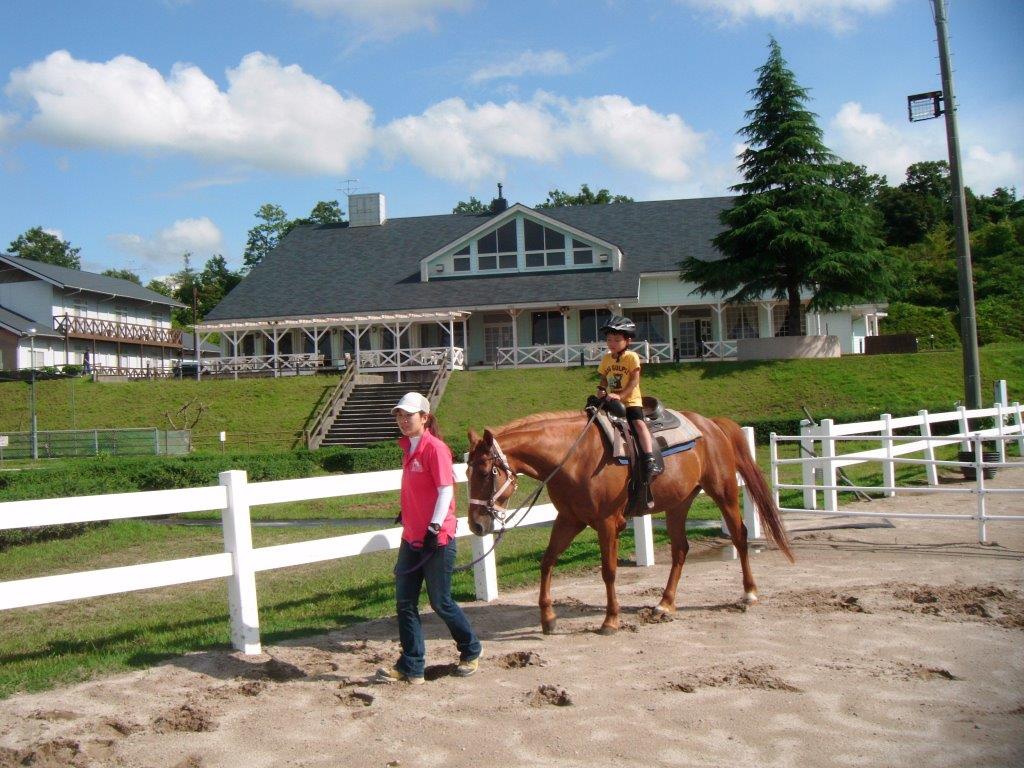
[279, 408]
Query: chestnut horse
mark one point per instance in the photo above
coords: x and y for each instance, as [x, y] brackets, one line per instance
[591, 489]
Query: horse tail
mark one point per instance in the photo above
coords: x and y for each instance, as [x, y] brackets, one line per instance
[758, 489]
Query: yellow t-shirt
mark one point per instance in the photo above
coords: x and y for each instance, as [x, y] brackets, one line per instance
[617, 373]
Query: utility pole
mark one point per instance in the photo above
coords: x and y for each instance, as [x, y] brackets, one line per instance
[968, 319]
[195, 328]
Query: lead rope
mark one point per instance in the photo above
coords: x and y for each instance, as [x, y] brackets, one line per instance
[533, 497]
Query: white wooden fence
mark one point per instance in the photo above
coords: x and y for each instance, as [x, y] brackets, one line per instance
[240, 561]
[821, 459]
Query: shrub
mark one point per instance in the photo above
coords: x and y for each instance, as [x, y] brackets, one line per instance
[933, 326]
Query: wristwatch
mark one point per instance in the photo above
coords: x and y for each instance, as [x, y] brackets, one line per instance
[434, 528]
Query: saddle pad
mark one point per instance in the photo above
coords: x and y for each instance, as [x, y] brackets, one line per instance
[680, 438]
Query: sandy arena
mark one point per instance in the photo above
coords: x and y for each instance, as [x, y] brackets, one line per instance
[887, 644]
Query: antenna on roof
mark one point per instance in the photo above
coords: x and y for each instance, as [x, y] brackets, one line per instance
[350, 186]
[499, 203]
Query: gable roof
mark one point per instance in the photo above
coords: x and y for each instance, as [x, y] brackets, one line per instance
[78, 279]
[337, 269]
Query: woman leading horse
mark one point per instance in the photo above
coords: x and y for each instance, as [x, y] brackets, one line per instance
[590, 489]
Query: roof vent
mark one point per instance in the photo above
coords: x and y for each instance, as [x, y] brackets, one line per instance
[366, 210]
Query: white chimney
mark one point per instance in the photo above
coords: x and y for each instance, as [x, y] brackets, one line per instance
[366, 210]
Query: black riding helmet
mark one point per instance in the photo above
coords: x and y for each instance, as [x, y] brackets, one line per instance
[620, 324]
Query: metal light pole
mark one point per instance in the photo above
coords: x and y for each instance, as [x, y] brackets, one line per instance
[922, 107]
[33, 428]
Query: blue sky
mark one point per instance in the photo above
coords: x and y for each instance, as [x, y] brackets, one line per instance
[139, 129]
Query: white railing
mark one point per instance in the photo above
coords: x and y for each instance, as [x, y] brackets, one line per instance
[416, 358]
[720, 350]
[269, 364]
[240, 561]
[821, 462]
[589, 353]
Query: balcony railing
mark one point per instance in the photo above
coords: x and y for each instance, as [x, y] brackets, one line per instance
[111, 330]
[420, 358]
[263, 365]
[577, 354]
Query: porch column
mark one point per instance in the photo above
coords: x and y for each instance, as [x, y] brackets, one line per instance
[358, 337]
[766, 322]
[717, 324]
[451, 344]
[514, 314]
[670, 314]
[565, 333]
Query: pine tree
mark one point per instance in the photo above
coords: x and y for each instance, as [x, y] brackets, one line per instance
[794, 225]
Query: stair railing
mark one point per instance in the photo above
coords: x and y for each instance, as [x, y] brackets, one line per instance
[331, 408]
[437, 386]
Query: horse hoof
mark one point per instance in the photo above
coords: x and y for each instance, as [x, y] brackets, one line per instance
[606, 630]
[548, 628]
[750, 598]
[664, 610]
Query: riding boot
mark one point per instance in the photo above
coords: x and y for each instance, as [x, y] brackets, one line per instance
[650, 467]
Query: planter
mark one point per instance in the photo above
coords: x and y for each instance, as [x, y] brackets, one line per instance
[970, 473]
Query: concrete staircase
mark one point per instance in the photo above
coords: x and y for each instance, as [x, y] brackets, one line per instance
[366, 418]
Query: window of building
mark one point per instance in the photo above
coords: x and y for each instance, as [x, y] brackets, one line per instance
[779, 320]
[121, 314]
[497, 249]
[582, 253]
[548, 328]
[461, 261]
[741, 322]
[436, 335]
[544, 246]
[650, 325]
[591, 321]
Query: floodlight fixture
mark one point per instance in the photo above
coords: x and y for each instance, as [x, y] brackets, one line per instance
[924, 106]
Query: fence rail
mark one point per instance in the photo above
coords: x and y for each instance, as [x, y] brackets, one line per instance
[240, 562]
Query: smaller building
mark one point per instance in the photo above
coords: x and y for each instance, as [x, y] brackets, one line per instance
[54, 316]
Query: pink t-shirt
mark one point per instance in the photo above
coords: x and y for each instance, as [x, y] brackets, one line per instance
[425, 470]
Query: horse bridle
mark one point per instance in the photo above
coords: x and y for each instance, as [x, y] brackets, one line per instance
[498, 461]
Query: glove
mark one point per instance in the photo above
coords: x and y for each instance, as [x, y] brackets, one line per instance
[398, 519]
[430, 538]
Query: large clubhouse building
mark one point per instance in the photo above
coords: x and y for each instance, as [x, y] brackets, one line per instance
[515, 288]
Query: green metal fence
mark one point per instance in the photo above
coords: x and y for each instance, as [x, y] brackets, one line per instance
[56, 443]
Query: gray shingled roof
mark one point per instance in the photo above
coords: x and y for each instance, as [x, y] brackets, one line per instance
[20, 324]
[88, 281]
[335, 269]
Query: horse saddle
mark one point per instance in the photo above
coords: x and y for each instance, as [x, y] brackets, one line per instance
[671, 432]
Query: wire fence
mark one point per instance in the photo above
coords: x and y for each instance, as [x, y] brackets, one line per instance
[62, 443]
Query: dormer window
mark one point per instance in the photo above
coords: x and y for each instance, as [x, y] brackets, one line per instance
[497, 249]
[544, 246]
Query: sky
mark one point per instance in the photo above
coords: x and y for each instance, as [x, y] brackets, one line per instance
[139, 130]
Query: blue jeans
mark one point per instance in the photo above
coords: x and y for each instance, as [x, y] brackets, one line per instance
[437, 573]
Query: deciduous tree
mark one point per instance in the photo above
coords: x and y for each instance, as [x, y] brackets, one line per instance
[38, 245]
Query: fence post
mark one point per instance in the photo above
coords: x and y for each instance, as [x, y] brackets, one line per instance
[245, 616]
[929, 451]
[979, 478]
[750, 518]
[643, 540]
[156, 442]
[807, 468]
[1019, 418]
[889, 466]
[773, 451]
[828, 453]
[965, 428]
[96, 442]
[485, 572]
[1000, 393]
[1000, 425]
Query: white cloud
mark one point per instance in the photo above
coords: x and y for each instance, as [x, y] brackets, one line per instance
[385, 19]
[865, 138]
[527, 63]
[6, 124]
[163, 251]
[459, 142]
[270, 116]
[838, 15]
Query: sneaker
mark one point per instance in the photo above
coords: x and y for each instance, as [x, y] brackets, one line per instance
[393, 675]
[466, 667]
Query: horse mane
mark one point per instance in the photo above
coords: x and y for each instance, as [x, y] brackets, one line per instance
[532, 419]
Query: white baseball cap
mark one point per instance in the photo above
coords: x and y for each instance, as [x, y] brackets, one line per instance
[412, 402]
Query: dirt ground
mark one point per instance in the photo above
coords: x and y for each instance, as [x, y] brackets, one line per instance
[889, 643]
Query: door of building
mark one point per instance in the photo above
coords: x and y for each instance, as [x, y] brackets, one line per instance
[692, 333]
[496, 335]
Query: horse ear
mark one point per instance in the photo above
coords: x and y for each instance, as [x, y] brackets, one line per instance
[474, 438]
[488, 438]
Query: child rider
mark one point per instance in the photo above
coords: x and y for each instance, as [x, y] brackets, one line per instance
[620, 380]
